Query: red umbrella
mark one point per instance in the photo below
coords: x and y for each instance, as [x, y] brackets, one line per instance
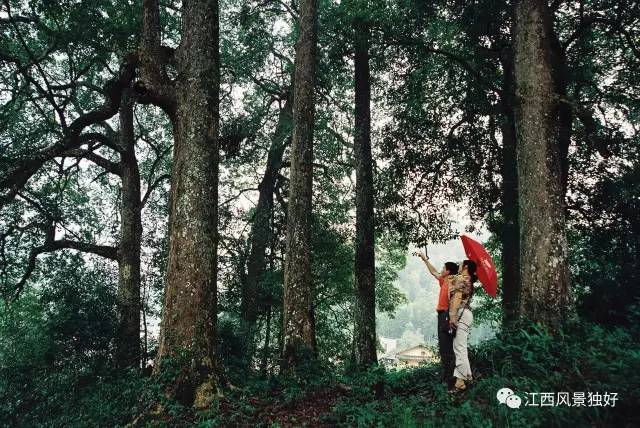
[486, 269]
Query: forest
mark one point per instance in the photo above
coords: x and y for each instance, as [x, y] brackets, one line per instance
[215, 212]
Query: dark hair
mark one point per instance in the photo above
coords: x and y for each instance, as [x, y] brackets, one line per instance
[471, 268]
[451, 267]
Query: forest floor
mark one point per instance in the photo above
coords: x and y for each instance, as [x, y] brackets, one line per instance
[314, 409]
[592, 360]
[328, 405]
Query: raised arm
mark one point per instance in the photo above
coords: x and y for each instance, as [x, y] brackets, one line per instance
[430, 267]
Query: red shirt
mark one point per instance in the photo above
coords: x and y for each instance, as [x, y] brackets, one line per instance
[443, 297]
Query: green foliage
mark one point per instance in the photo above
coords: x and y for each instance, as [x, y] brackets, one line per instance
[333, 277]
[585, 357]
[40, 368]
[605, 248]
[56, 344]
[229, 348]
[391, 259]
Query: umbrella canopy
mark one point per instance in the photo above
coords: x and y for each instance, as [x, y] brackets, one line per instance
[486, 268]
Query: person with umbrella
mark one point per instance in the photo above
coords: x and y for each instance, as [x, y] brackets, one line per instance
[460, 319]
[478, 266]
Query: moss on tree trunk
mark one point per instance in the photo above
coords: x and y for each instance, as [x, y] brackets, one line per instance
[189, 316]
[128, 338]
[299, 324]
[543, 243]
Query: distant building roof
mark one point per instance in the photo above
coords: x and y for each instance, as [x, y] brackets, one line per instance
[421, 346]
[418, 352]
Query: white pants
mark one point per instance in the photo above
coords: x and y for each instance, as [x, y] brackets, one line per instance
[463, 368]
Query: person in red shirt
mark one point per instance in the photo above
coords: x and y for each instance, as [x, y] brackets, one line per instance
[445, 338]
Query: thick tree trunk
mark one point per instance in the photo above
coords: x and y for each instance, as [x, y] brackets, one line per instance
[128, 344]
[189, 317]
[365, 305]
[261, 231]
[509, 234]
[543, 252]
[299, 325]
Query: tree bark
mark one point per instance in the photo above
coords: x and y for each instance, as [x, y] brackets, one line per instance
[365, 307]
[299, 324]
[189, 316]
[543, 252]
[128, 344]
[565, 111]
[155, 87]
[261, 231]
[509, 234]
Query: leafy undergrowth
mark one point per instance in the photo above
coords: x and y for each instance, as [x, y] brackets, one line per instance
[590, 359]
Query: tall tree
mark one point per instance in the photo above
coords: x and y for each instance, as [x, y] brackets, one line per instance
[261, 228]
[69, 94]
[299, 323]
[510, 230]
[365, 305]
[127, 251]
[192, 102]
[543, 242]
[64, 73]
[128, 345]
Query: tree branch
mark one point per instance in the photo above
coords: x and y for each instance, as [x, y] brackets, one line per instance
[467, 66]
[18, 18]
[106, 164]
[16, 174]
[233, 198]
[152, 187]
[154, 87]
[51, 245]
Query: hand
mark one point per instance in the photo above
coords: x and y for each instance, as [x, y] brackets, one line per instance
[422, 256]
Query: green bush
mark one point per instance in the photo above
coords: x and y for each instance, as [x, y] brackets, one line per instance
[590, 358]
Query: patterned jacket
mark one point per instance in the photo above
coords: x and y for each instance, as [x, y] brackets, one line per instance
[460, 293]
